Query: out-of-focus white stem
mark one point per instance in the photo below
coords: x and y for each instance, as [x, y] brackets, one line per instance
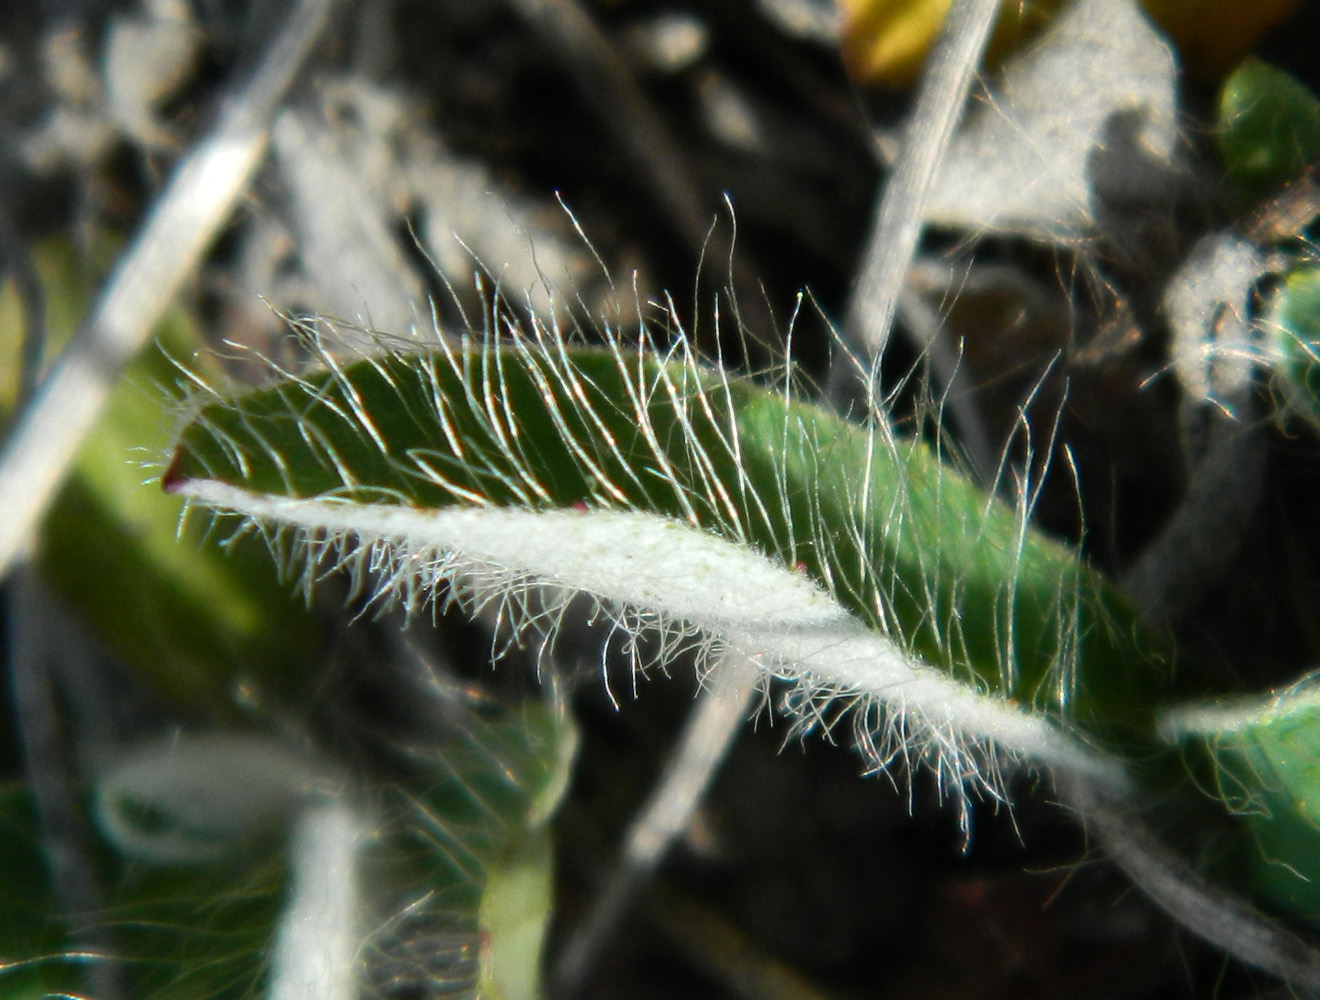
[710, 729]
[186, 218]
[901, 212]
[317, 942]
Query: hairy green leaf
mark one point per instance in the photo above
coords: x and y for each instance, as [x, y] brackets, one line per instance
[504, 462]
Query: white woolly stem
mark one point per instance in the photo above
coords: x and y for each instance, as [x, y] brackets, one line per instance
[318, 938]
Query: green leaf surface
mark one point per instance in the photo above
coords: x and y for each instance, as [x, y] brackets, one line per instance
[1293, 326]
[32, 938]
[1266, 771]
[1269, 128]
[899, 538]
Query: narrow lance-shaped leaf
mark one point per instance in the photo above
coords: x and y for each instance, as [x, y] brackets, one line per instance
[851, 562]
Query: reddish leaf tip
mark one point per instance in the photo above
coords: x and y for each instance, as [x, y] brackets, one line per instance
[174, 478]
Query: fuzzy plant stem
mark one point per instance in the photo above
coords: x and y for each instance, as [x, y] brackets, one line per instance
[318, 940]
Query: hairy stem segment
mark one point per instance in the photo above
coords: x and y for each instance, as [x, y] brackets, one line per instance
[318, 940]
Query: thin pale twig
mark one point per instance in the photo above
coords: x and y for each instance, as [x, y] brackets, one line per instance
[1224, 920]
[708, 732]
[901, 212]
[187, 217]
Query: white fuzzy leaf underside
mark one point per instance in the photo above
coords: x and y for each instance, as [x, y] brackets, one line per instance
[648, 571]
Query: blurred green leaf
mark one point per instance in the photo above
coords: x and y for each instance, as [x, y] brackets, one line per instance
[1269, 128]
[1293, 325]
[1265, 756]
[32, 937]
[191, 618]
[458, 849]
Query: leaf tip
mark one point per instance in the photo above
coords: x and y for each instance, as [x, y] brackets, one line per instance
[175, 478]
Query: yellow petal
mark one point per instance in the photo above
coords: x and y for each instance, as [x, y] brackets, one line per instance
[885, 42]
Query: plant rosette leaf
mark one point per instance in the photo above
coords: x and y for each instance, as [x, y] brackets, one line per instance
[851, 563]
[1265, 766]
